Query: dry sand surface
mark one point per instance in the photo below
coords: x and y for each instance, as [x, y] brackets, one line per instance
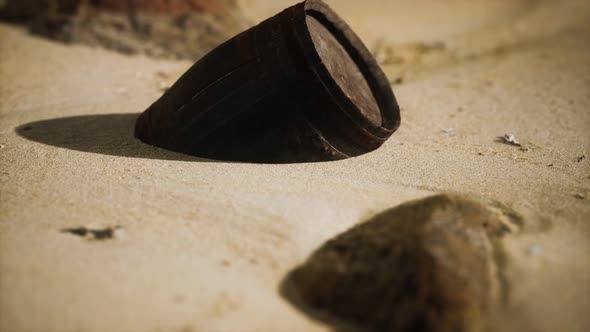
[205, 245]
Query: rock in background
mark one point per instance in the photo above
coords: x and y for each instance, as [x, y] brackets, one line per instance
[182, 29]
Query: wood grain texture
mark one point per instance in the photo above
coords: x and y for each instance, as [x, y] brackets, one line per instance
[271, 94]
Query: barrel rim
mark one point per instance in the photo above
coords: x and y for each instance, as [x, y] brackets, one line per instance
[371, 70]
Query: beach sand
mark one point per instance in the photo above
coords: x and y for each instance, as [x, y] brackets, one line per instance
[200, 245]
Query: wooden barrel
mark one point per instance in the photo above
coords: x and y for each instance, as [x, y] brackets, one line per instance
[298, 87]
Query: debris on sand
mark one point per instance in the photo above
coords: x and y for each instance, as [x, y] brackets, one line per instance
[581, 158]
[406, 53]
[163, 86]
[427, 265]
[163, 75]
[93, 232]
[580, 196]
[449, 131]
[398, 80]
[509, 138]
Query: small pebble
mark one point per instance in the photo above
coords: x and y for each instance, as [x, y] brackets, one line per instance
[92, 232]
[162, 74]
[398, 80]
[509, 138]
[449, 131]
[163, 86]
[581, 158]
[580, 196]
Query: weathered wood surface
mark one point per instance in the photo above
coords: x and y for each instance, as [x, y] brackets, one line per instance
[298, 87]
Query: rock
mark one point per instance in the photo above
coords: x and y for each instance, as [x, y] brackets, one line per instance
[181, 29]
[31, 8]
[426, 265]
[27, 9]
[167, 6]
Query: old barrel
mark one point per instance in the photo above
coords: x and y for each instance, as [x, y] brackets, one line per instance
[298, 87]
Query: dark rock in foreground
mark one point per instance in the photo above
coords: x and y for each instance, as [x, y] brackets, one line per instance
[426, 265]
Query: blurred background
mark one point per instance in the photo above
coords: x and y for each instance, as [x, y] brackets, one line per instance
[185, 29]
[406, 37]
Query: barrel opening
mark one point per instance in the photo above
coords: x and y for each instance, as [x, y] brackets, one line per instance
[371, 72]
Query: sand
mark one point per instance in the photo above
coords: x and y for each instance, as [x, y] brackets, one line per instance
[205, 245]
